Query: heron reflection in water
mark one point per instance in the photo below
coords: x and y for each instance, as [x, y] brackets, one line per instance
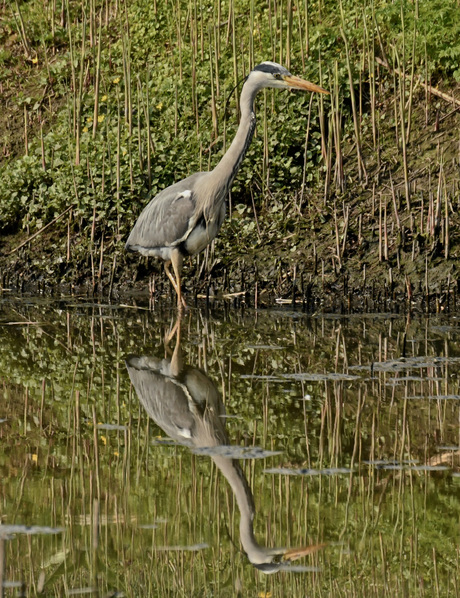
[186, 404]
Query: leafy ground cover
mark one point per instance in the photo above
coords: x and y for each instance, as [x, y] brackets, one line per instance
[344, 202]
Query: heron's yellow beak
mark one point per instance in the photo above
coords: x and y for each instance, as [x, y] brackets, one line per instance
[294, 82]
[293, 554]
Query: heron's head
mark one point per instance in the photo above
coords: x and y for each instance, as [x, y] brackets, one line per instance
[271, 74]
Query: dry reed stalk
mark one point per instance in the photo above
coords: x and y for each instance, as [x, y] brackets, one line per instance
[385, 233]
[337, 237]
[322, 126]
[98, 79]
[307, 135]
[96, 453]
[251, 36]
[362, 173]
[300, 34]
[372, 81]
[22, 30]
[402, 120]
[346, 219]
[328, 160]
[215, 127]
[280, 14]
[26, 134]
[148, 137]
[430, 90]
[118, 160]
[140, 146]
[336, 115]
[307, 30]
[395, 207]
[42, 142]
[79, 92]
[39, 232]
[288, 34]
[411, 88]
[266, 152]
[446, 223]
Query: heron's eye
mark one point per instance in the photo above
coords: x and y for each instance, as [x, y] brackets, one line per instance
[277, 76]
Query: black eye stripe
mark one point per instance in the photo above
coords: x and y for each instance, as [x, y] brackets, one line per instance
[274, 69]
[266, 68]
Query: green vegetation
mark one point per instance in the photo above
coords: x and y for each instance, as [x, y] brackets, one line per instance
[106, 102]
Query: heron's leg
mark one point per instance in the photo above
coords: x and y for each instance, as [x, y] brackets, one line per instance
[177, 363]
[174, 332]
[177, 260]
[171, 277]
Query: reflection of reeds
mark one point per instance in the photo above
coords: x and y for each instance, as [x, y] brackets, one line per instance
[105, 484]
[115, 518]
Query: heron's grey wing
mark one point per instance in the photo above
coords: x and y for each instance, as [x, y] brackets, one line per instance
[187, 407]
[168, 217]
[161, 396]
[210, 426]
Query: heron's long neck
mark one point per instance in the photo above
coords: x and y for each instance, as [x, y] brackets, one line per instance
[240, 487]
[227, 168]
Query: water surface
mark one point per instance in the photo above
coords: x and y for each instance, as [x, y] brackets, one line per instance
[256, 454]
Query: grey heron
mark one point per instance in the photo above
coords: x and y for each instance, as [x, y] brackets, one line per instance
[184, 402]
[185, 217]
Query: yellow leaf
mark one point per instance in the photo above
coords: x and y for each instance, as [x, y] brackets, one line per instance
[104, 440]
[35, 458]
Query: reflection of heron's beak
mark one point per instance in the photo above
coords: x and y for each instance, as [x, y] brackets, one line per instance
[296, 553]
[294, 82]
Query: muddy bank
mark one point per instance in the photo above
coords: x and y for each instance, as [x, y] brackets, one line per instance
[256, 269]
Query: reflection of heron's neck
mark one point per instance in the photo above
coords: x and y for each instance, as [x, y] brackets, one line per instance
[239, 485]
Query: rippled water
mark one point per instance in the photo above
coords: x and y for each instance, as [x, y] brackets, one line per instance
[324, 451]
